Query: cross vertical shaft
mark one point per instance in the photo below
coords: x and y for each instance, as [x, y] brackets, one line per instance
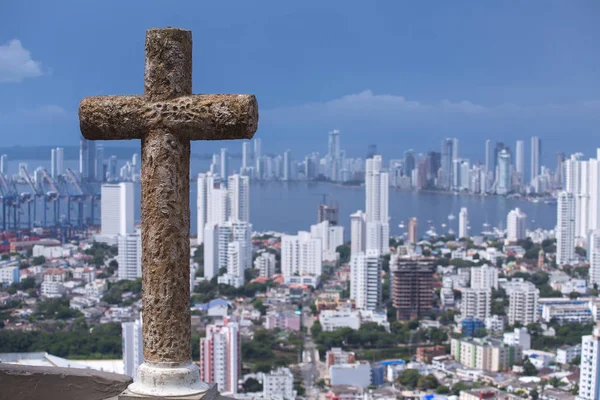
[165, 178]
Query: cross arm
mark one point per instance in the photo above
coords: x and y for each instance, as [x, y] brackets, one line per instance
[195, 117]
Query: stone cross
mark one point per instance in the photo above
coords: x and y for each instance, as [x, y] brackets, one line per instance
[166, 118]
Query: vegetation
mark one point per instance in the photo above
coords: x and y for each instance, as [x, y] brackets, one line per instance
[100, 252]
[100, 342]
[209, 290]
[252, 385]
[258, 352]
[566, 334]
[114, 294]
[55, 309]
[344, 251]
[411, 379]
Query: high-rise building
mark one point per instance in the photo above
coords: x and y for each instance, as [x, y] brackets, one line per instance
[213, 198]
[365, 280]
[489, 157]
[133, 349]
[99, 170]
[593, 252]
[235, 258]
[503, 178]
[559, 173]
[358, 232]
[117, 208]
[412, 235]
[412, 288]
[328, 212]
[409, 162]
[476, 303]
[536, 156]
[210, 238]
[224, 170]
[3, 164]
[287, 165]
[258, 160]
[520, 160]
[265, 263]
[239, 197]
[112, 173]
[60, 161]
[446, 168]
[463, 223]
[279, 384]
[53, 163]
[245, 155]
[220, 356]
[130, 256]
[484, 277]
[301, 254]
[331, 237]
[523, 304]
[377, 201]
[87, 159]
[565, 228]
[455, 149]
[334, 156]
[589, 373]
[516, 225]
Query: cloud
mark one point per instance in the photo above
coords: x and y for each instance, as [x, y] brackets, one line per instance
[16, 63]
[41, 113]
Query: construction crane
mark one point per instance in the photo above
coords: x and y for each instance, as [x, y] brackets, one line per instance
[28, 198]
[79, 198]
[51, 196]
[10, 201]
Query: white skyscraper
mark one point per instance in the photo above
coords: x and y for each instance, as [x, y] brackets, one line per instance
[220, 356]
[365, 280]
[235, 258]
[239, 197]
[212, 202]
[484, 277]
[331, 236]
[476, 303]
[536, 155]
[516, 225]
[377, 200]
[117, 208]
[224, 171]
[236, 264]
[53, 163]
[211, 250]
[589, 374]
[523, 304]
[133, 349]
[489, 157]
[503, 178]
[130, 256]
[565, 228]
[245, 156]
[3, 164]
[463, 223]
[594, 256]
[99, 172]
[358, 232]
[287, 165]
[301, 254]
[520, 160]
[60, 161]
[265, 263]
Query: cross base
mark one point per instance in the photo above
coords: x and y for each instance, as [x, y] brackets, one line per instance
[211, 394]
[168, 380]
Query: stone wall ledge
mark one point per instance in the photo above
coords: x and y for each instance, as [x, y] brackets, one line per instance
[52, 383]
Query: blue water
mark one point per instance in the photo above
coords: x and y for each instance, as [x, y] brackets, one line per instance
[290, 207]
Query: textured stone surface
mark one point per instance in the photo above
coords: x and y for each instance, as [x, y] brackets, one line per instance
[48, 383]
[199, 117]
[166, 118]
[210, 394]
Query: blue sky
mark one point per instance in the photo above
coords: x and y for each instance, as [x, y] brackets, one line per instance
[402, 74]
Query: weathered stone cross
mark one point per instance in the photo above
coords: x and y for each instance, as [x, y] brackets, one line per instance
[166, 118]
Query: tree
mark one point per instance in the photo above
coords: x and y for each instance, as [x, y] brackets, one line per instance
[258, 305]
[39, 260]
[442, 389]
[427, 382]
[576, 361]
[529, 369]
[252, 385]
[409, 378]
[481, 333]
[344, 251]
[316, 330]
[534, 394]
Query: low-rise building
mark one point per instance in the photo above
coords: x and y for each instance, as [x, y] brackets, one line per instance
[332, 320]
[286, 321]
[494, 324]
[338, 356]
[279, 385]
[487, 393]
[579, 312]
[51, 289]
[9, 275]
[566, 354]
[357, 374]
[519, 337]
[427, 353]
[485, 354]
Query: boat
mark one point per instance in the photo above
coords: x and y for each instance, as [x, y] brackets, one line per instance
[451, 216]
